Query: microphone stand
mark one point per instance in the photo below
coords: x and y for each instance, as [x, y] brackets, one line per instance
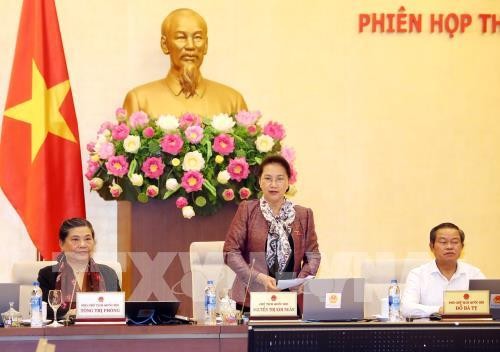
[246, 291]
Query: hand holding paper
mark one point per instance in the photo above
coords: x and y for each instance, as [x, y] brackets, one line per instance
[284, 284]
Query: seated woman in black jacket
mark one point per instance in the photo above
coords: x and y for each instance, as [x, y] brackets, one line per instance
[75, 270]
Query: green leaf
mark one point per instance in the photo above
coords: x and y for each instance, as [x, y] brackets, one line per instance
[169, 193]
[209, 150]
[132, 167]
[209, 187]
[154, 147]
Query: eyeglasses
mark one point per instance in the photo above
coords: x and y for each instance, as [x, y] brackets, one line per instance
[280, 180]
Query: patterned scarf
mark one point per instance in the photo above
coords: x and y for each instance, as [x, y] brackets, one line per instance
[278, 246]
[93, 281]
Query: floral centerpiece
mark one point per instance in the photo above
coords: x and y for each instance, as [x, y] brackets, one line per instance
[203, 163]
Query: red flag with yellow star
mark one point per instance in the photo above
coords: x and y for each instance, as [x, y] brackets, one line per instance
[40, 162]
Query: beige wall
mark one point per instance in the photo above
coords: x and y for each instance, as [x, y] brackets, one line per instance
[394, 133]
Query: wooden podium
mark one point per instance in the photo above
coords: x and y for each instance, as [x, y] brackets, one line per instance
[153, 248]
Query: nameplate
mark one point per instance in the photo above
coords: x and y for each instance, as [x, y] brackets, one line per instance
[466, 302]
[273, 305]
[100, 305]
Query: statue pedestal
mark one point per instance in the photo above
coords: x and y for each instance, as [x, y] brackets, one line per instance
[153, 248]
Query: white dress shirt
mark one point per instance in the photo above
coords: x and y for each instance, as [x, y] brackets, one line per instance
[423, 294]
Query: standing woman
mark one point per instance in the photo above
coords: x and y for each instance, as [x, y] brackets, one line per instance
[274, 234]
[75, 270]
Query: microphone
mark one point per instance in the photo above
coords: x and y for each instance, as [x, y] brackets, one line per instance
[248, 286]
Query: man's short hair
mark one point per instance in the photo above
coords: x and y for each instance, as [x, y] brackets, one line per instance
[446, 225]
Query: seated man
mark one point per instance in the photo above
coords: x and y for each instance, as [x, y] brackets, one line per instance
[423, 294]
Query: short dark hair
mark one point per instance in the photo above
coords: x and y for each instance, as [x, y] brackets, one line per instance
[274, 159]
[69, 224]
[446, 225]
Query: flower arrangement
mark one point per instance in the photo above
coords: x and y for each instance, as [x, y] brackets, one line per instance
[203, 163]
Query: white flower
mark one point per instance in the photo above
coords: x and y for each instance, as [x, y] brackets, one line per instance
[188, 212]
[137, 180]
[264, 143]
[131, 144]
[193, 161]
[96, 183]
[223, 123]
[168, 123]
[223, 177]
[172, 184]
[103, 138]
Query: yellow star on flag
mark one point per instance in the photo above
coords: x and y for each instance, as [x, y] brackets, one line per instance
[42, 111]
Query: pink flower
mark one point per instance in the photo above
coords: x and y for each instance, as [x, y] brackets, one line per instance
[247, 118]
[224, 144]
[274, 130]
[181, 202]
[117, 165]
[192, 181]
[238, 169]
[92, 167]
[244, 193]
[96, 183]
[120, 132]
[152, 191]
[148, 132]
[121, 114]
[288, 153]
[91, 147]
[252, 129]
[172, 144]
[189, 119]
[115, 190]
[138, 119]
[228, 194]
[106, 150]
[153, 167]
[194, 134]
[89, 175]
[106, 126]
[293, 175]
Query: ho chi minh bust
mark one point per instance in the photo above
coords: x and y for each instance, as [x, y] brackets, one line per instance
[184, 38]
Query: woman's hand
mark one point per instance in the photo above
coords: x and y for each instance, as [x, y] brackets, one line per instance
[268, 282]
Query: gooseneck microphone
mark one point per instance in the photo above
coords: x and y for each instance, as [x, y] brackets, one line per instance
[248, 286]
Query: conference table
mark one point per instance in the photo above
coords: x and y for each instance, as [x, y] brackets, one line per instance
[263, 336]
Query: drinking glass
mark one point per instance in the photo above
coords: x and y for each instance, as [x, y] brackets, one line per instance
[55, 301]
